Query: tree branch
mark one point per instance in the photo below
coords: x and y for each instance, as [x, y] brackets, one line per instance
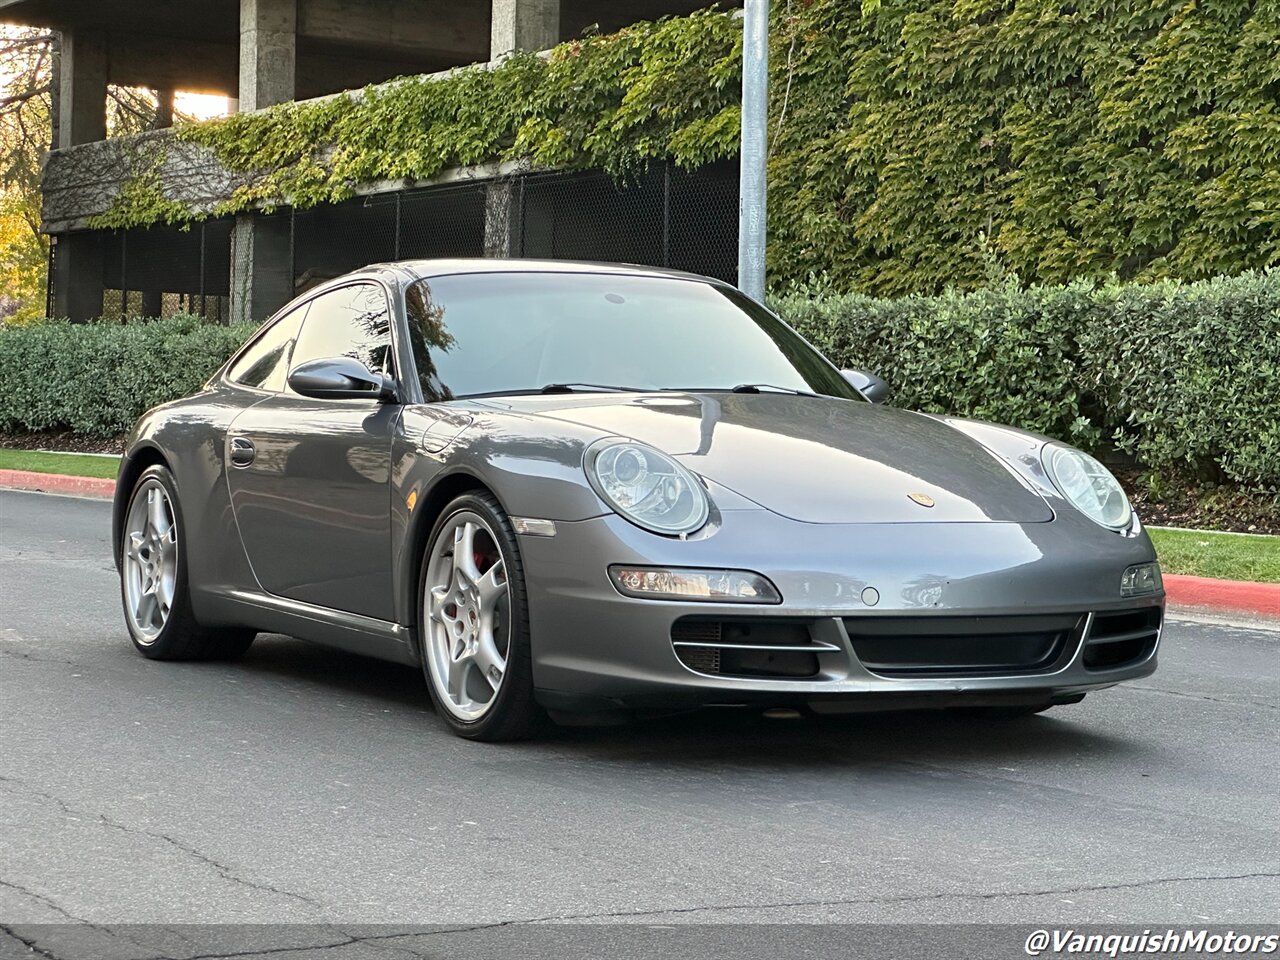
[18, 43]
[17, 98]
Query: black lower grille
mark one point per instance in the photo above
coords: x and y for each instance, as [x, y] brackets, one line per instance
[782, 649]
[702, 659]
[914, 646]
[1118, 639]
[963, 646]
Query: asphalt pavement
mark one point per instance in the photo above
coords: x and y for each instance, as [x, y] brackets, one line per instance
[305, 785]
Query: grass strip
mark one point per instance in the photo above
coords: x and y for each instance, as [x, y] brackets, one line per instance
[72, 464]
[1224, 556]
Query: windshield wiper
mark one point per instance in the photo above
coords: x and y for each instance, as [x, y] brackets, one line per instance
[770, 388]
[588, 388]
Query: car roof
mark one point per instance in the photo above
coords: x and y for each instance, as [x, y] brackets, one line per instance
[411, 270]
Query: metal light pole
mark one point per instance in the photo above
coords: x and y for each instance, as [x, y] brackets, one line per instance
[755, 123]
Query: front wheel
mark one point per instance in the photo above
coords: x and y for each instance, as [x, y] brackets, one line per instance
[475, 623]
[153, 580]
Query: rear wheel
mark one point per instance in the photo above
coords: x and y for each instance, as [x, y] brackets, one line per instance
[475, 624]
[153, 580]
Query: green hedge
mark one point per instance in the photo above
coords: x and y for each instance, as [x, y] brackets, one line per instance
[1184, 376]
[97, 378]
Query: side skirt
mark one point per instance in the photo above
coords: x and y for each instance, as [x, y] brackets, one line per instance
[333, 628]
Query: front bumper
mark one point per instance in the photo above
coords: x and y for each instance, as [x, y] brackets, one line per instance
[595, 649]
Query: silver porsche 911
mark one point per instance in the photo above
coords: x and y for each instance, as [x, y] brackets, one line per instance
[592, 491]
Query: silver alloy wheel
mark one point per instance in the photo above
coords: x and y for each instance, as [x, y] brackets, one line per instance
[150, 560]
[467, 599]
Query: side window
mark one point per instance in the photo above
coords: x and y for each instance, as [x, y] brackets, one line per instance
[348, 322]
[266, 362]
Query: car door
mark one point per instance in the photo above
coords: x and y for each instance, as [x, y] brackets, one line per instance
[310, 479]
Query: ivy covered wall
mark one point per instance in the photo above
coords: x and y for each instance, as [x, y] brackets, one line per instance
[915, 143]
[665, 90]
[925, 139]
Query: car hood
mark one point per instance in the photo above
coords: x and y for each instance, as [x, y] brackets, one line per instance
[814, 459]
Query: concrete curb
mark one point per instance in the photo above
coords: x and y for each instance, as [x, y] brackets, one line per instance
[1183, 591]
[1237, 595]
[97, 487]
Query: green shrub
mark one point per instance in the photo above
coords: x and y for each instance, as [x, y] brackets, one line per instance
[1189, 375]
[1185, 376]
[98, 378]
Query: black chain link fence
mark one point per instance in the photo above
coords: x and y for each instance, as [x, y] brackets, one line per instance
[443, 221]
[160, 271]
[667, 217]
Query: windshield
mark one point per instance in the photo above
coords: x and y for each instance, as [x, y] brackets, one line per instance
[504, 333]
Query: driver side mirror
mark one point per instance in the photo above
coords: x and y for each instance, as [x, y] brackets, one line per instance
[340, 378]
[868, 384]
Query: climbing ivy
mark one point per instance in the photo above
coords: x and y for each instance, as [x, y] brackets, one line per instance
[614, 102]
[142, 198]
[1067, 138]
[916, 144]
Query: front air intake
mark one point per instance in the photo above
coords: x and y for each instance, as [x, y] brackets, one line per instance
[1119, 639]
[964, 646]
[764, 648]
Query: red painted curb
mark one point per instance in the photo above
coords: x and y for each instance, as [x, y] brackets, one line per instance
[1263, 598]
[58, 483]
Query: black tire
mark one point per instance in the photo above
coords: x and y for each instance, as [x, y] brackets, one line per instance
[513, 713]
[180, 637]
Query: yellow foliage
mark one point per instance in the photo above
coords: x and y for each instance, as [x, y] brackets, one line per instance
[23, 259]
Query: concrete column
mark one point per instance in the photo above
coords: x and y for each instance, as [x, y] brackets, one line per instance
[261, 267]
[164, 108]
[268, 52]
[515, 25]
[77, 275]
[261, 247]
[502, 219]
[152, 303]
[523, 25]
[80, 117]
[82, 90]
[55, 92]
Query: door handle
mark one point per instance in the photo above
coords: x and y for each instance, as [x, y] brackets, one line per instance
[242, 451]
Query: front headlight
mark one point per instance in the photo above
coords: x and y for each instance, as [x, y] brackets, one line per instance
[647, 487]
[1088, 485]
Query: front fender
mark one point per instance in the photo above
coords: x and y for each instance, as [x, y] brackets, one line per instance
[1023, 451]
[443, 450]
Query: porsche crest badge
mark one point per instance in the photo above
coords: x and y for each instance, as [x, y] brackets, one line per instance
[922, 498]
